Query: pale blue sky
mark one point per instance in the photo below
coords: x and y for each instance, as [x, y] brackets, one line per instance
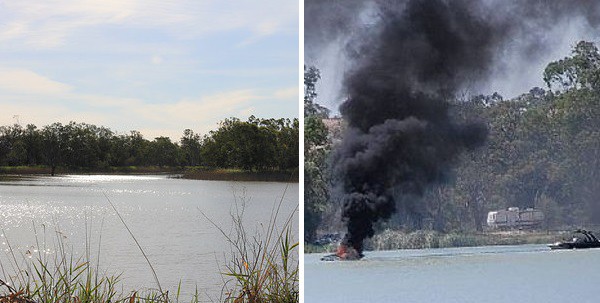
[154, 66]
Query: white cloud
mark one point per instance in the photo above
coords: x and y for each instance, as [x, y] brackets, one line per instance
[21, 91]
[12, 30]
[63, 37]
[193, 110]
[156, 59]
[246, 112]
[50, 23]
[120, 114]
[28, 82]
[170, 119]
[99, 101]
[287, 93]
[41, 114]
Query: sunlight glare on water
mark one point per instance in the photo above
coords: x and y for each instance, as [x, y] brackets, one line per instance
[163, 213]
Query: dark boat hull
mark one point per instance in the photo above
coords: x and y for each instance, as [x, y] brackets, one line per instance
[332, 257]
[570, 245]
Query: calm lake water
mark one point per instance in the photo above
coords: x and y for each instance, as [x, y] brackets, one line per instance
[528, 273]
[165, 215]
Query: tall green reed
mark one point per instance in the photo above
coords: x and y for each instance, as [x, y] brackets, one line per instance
[263, 264]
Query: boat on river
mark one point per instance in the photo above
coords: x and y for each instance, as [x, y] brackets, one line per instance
[344, 252]
[580, 239]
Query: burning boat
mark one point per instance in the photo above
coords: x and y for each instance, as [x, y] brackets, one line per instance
[580, 239]
[401, 136]
[344, 253]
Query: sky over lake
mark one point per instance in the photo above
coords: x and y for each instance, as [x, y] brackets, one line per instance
[158, 67]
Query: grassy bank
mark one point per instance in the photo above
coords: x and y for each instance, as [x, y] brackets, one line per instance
[263, 268]
[394, 239]
[196, 173]
[50, 272]
[200, 173]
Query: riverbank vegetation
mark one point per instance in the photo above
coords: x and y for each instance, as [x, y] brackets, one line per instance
[542, 151]
[202, 173]
[262, 267]
[255, 145]
[51, 272]
[390, 239]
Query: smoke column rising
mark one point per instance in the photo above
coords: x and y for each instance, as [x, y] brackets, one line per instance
[421, 53]
[400, 138]
[540, 31]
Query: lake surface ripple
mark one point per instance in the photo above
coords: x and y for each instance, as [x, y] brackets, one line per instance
[165, 215]
[493, 274]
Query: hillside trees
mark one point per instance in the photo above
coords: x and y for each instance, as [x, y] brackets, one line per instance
[316, 152]
[580, 71]
[543, 146]
[542, 151]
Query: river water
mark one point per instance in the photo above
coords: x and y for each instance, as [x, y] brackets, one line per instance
[164, 214]
[493, 274]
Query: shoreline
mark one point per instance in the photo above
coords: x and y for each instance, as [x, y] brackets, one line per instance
[394, 240]
[191, 173]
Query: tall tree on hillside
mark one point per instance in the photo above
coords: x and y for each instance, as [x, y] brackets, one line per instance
[311, 108]
[316, 151]
[581, 70]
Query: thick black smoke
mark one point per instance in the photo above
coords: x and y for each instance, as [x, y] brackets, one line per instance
[538, 31]
[400, 137]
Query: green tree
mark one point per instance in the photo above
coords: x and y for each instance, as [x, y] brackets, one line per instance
[311, 108]
[256, 144]
[316, 153]
[581, 70]
[53, 145]
[32, 139]
[191, 146]
[163, 152]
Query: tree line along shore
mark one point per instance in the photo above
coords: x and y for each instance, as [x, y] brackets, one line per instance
[252, 150]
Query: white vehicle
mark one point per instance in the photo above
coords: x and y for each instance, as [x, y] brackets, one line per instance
[513, 217]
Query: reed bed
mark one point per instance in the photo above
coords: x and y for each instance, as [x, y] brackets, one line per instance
[390, 239]
[53, 273]
[394, 239]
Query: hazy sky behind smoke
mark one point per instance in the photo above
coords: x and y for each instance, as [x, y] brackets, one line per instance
[154, 66]
[333, 26]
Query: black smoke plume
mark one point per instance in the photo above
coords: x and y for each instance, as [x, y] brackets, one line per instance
[400, 137]
[410, 60]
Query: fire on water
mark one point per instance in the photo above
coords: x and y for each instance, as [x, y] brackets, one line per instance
[343, 253]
